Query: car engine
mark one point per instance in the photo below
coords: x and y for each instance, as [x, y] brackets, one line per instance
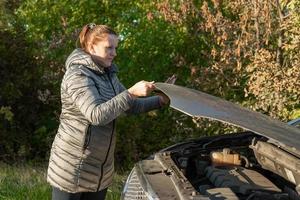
[228, 179]
[236, 170]
[241, 166]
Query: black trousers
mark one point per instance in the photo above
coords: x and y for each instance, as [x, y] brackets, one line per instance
[58, 194]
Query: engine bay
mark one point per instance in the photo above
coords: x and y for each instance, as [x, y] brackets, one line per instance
[239, 167]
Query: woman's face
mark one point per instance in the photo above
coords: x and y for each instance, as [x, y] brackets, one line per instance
[105, 50]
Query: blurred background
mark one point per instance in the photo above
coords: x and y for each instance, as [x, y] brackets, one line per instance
[245, 51]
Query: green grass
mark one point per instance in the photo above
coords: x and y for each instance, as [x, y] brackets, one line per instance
[29, 183]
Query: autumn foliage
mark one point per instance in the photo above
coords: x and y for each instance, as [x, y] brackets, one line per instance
[253, 52]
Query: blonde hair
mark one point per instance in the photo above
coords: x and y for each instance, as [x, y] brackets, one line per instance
[92, 33]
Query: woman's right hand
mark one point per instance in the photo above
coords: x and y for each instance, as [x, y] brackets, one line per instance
[142, 88]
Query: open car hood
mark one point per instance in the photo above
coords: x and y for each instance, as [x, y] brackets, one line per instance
[198, 104]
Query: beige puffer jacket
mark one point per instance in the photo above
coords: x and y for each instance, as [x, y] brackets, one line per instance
[82, 154]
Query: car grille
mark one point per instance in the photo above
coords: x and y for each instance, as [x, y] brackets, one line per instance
[134, 189]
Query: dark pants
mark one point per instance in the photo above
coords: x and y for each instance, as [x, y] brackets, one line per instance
[58, 194]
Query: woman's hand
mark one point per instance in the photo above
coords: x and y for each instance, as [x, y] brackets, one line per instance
[141, 89]
[163, 99]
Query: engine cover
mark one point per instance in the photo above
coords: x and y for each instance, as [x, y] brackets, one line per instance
[239, 179]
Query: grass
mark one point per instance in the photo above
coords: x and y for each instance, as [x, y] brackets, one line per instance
[29, 183]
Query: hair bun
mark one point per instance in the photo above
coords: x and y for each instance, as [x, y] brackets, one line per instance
[91, 25]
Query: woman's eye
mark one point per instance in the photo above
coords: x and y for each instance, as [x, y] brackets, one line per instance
[111, 48]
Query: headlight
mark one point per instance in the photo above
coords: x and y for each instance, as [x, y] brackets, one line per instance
[137, 186]
[132, 188]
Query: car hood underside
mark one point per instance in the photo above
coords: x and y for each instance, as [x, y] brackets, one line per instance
[198, 104]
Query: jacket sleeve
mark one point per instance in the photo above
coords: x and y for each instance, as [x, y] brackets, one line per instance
[84, 94]
[141, 105]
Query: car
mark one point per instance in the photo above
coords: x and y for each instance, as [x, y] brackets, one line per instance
[261, 162]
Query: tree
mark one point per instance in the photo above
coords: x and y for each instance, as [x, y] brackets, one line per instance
[253, 53]
[25, 115]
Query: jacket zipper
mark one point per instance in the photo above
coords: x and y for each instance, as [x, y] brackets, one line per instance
[85, 145]
[101, 176]
[87, 137]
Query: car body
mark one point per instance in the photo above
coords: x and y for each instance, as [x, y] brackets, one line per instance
[263, 162]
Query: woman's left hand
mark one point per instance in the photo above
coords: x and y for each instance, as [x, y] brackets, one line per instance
[163, 99]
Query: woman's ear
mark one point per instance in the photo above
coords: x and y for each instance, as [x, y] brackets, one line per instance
[90, 48]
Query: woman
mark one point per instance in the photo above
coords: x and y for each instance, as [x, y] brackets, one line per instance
[81, 163]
